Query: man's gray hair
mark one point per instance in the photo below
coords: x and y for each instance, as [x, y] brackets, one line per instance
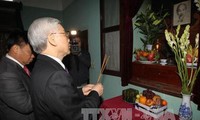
[39, 30]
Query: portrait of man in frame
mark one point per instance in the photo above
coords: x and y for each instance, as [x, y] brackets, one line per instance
[182, 13]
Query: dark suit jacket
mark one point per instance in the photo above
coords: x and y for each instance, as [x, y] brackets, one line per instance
[15, 100]
[54, 95]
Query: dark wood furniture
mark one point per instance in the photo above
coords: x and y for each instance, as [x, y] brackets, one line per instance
[157, 77]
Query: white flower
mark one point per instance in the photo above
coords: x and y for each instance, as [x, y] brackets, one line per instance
[172, 43]
[184, 53]
[182, 47]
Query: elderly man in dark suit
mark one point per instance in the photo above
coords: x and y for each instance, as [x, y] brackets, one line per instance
[15, 100]
[54, 94]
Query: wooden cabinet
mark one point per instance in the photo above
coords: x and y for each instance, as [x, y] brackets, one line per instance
[157, 77]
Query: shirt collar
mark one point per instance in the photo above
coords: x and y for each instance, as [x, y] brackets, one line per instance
[13, 59]
[56, 59]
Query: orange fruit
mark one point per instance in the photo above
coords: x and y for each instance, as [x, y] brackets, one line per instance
[164, 102]
[145, 54]
[142, 100]
[157, 99]
[149, 102]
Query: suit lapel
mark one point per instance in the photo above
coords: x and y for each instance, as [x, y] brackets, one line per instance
[25, 78]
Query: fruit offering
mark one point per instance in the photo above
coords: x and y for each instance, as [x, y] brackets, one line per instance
[146, 55]
[149, 98]
[192, 54]
[148, 93]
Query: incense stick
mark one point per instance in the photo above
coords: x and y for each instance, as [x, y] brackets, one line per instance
[105, 61]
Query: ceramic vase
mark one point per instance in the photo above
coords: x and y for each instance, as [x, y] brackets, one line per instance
[149, 47]
[185, 110]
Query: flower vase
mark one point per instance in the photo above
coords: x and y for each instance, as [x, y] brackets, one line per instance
[149, 47]
[185, 110]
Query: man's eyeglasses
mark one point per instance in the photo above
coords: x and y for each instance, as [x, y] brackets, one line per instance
[66, 34]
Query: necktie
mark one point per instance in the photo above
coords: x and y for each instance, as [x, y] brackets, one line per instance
[66, 70]
[27, 71]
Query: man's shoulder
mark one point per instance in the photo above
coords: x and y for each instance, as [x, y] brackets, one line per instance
[8, 65]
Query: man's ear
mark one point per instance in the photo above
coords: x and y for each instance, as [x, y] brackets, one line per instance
[15, 48]
[51, 39]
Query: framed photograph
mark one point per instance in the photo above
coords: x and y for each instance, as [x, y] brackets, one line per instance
[182, 13]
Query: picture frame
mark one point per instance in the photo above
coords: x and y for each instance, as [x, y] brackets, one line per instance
[182, 13]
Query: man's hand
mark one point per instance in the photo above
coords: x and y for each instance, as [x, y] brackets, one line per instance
[99, 88]
[87, 88]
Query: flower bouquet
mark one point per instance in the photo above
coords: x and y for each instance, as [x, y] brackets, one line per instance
[180, 46]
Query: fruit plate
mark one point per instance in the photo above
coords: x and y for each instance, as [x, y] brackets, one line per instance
[147, 62]
[152, 111]
[190, 64]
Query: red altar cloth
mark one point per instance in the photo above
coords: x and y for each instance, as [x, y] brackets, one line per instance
[116, 106]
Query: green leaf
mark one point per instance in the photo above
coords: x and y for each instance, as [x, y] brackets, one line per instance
[150, 24]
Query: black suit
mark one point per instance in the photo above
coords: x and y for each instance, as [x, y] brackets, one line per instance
[15, 101]
[54, 95]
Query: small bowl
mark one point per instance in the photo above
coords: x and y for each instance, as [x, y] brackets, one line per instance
[163, 63]
[163, 60]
